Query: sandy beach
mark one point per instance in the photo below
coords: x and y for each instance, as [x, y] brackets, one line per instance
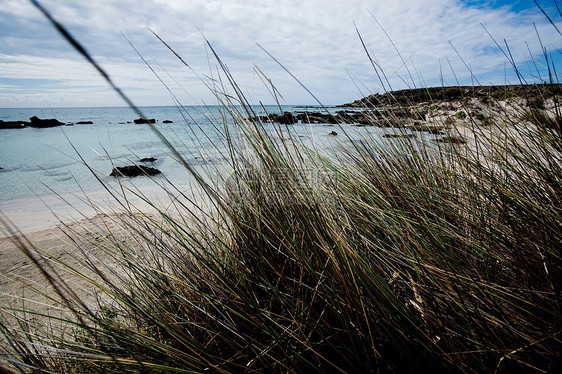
[69, 234]
[74, 244]
[62, 231]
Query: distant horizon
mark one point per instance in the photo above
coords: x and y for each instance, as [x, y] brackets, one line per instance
[294, 104]
[161, 106]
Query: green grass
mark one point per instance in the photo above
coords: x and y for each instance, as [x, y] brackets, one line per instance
[397, 259]
[408, 257]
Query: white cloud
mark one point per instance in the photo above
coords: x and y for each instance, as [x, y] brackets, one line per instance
[315, 39]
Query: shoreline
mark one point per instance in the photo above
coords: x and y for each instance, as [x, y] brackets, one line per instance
[448, 121]
[66, 237]
[37, 213]
[76, 244]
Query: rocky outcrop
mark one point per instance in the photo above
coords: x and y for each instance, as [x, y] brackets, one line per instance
[286, 118]
[452, 139]
[43, 123]
[148, 159]
[402, 136]
[438, 94]
[12, 124]
[388, 117]
[167, 121]
[133, 171]
[38, 123]
[144, 120]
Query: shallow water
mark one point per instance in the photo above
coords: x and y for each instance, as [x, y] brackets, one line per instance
[40, 163]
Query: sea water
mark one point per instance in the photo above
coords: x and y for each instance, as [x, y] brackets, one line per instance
[52, 166]
[36, 161]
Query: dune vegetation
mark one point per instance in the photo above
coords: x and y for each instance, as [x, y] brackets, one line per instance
[405, 255]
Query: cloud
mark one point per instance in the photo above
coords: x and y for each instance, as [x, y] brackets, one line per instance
[315, 39]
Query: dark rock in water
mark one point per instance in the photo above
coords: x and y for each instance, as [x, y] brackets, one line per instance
[167, 121]
[84, 123]
[312, 117]
[316, 117]
[12, 124]
[432, 129]
[143, 120]
[287, 119]
[148, 159]
[453, 139]
[43, 123]
[133, 171]
[404, 136]
[284, 119]
[333, 133]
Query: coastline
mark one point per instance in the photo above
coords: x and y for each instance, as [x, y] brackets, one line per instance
[450, 118]
[34, 214]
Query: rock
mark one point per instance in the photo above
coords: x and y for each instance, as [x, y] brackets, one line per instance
[133, 171]
[167, 121]
[148, 159]
[453, 139]
[427, 128]
[1, 168]
[333, 133]
[143, 120]
[286, 118]
[43, 123]
[12, 124]
[84, 123]
[404, 136]
[316, 117]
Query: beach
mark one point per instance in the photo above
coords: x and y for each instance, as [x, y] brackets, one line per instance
[21, 281]
[74, 238]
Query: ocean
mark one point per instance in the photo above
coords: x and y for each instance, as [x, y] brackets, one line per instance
[59, 166]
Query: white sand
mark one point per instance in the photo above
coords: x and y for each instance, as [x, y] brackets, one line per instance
[67, 233]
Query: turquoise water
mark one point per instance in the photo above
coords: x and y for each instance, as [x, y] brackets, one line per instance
[37, 162]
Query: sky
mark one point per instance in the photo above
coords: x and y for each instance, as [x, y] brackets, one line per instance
[339, 50]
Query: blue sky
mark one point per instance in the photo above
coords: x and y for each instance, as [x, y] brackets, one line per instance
[315, 39]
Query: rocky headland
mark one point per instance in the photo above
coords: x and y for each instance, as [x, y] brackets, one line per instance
[442, 111]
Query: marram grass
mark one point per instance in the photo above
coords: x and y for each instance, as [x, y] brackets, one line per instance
[409, 257]
[397, 259]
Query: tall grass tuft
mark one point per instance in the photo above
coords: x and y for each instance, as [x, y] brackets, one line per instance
[406, 256]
